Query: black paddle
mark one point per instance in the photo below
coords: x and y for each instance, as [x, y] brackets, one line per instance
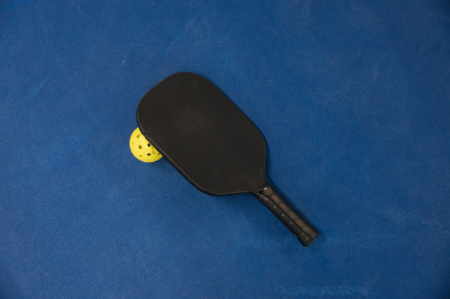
[212, 144]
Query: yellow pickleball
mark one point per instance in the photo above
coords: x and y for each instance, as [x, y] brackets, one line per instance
[142, 149]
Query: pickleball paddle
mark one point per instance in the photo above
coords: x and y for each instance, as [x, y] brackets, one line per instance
[212, 144]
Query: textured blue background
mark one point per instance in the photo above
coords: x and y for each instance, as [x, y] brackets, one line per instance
[353, 98]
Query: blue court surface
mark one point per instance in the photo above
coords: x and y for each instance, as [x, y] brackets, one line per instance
[353, 99]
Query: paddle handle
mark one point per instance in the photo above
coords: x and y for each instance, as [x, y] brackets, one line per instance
[304, 232]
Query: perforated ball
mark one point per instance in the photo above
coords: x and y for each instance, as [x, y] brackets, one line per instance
[142, 149]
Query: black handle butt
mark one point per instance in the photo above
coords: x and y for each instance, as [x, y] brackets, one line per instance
[304, 232]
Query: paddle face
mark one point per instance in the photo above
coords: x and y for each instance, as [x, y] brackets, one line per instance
[203, 135]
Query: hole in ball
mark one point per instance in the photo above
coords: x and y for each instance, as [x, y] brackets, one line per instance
[140, 146]
[148, 144]
[149, 154]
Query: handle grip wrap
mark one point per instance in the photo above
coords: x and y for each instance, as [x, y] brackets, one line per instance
[273, 201]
